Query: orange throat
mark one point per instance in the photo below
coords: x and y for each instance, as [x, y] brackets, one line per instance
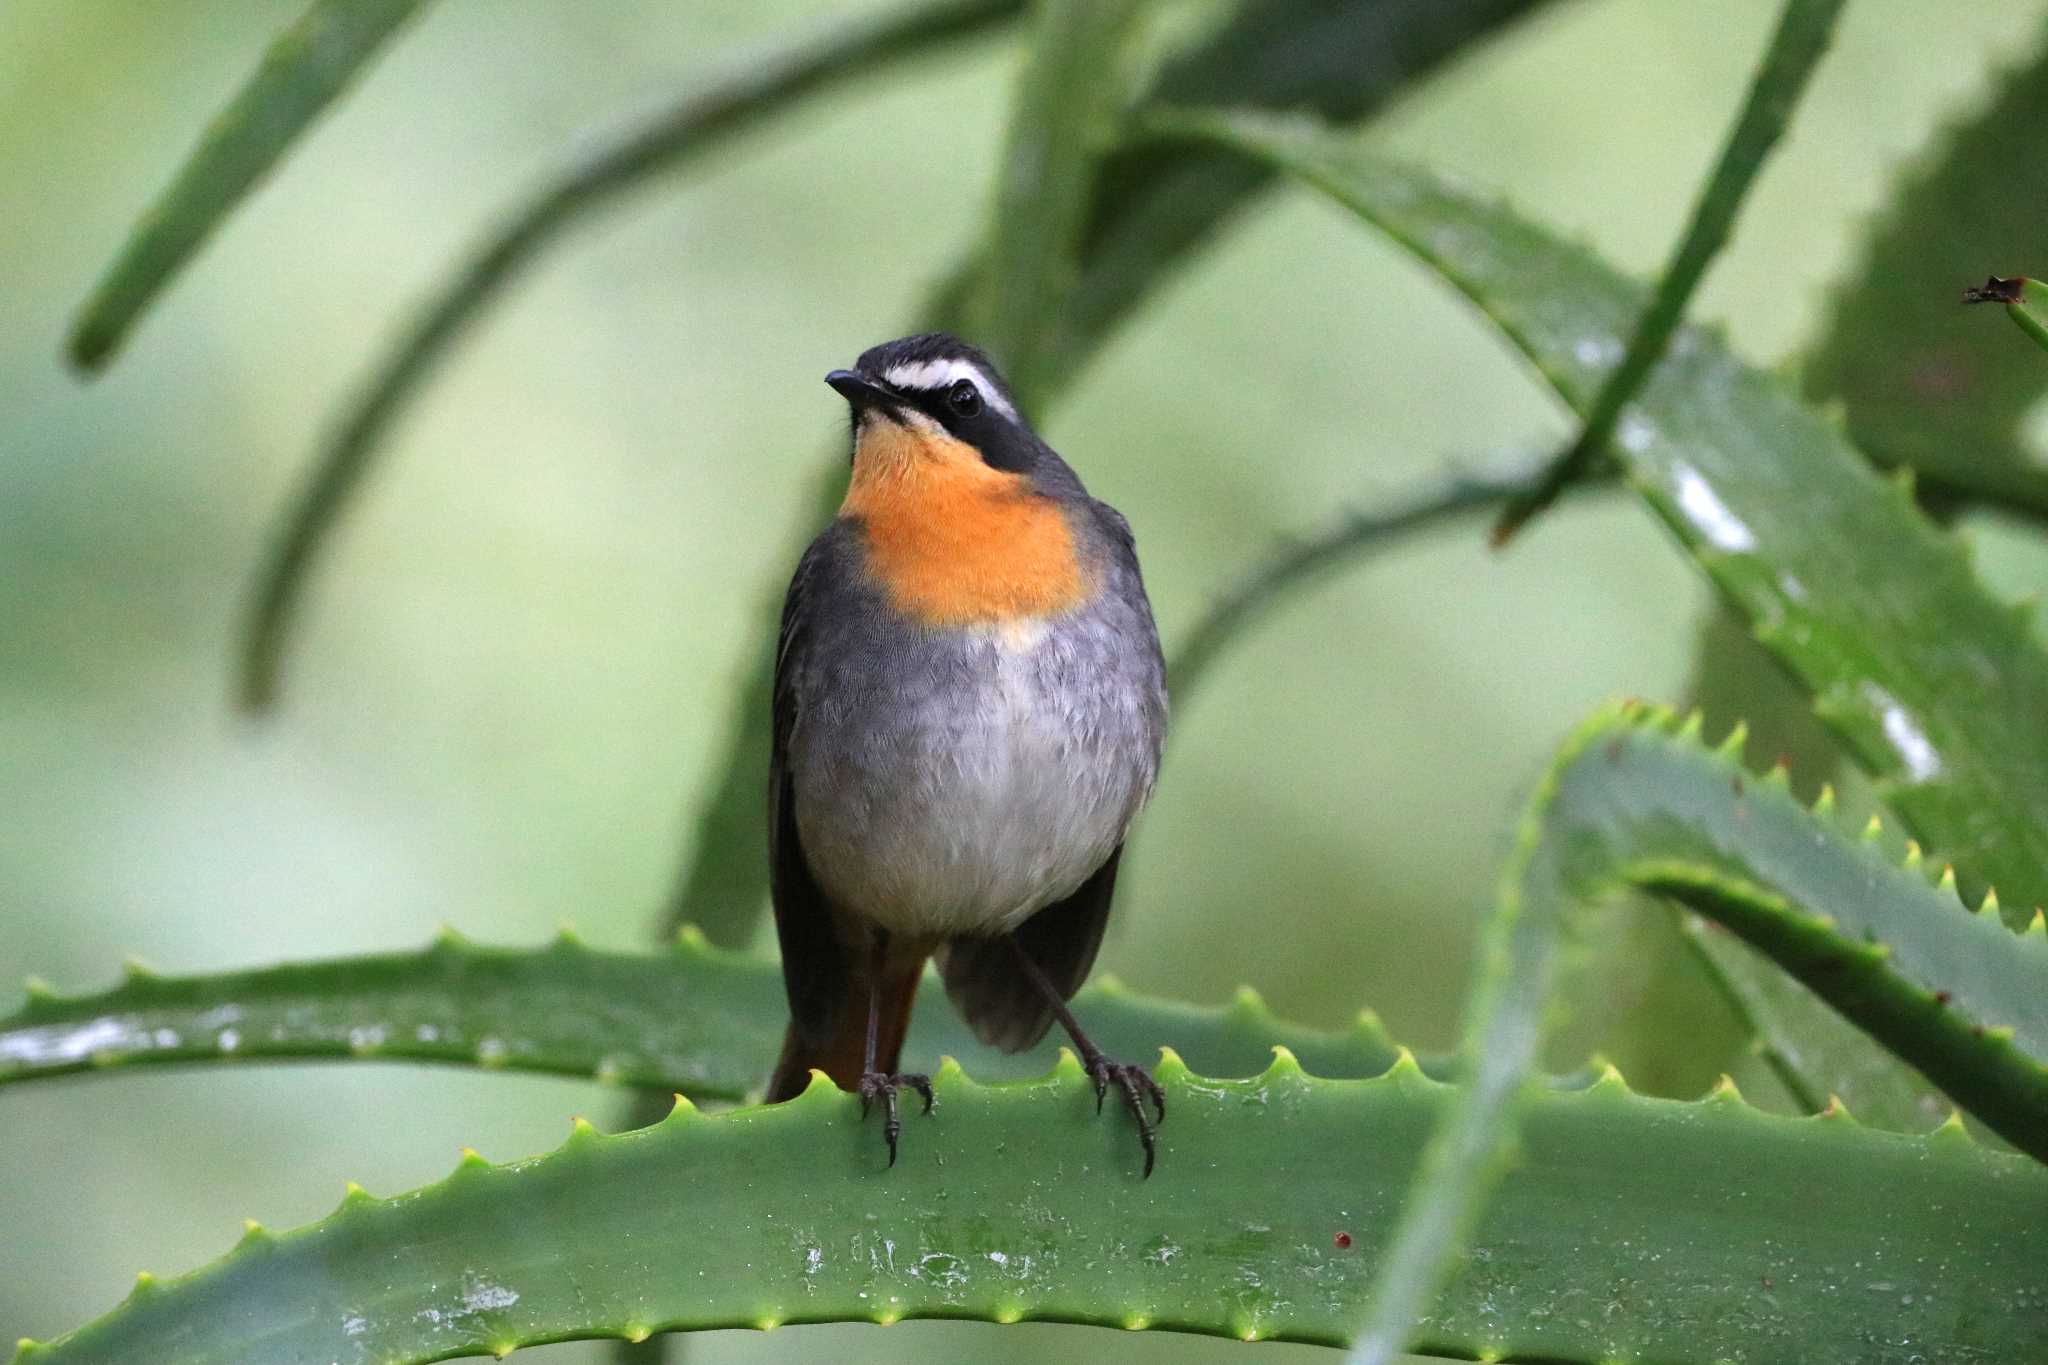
[950, 540]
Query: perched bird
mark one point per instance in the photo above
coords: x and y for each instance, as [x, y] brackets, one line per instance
[969, 707]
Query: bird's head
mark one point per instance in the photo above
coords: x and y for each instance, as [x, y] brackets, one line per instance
[962, 509]
[936, 400]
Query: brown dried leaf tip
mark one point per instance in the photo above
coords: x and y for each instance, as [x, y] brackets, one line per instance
[1996, 290]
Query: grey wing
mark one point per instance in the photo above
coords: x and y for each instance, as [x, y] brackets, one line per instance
[997, 1000]
[814, 967]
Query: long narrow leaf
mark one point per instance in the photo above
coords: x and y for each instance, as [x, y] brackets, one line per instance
[696, 1019]
[1805, 28]
[1299, 563]
[1631, 1229]
[1070, 97]
[304, 71]
[753, 88]
[1937, 688]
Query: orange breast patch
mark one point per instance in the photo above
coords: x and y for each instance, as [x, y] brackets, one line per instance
[952, 541]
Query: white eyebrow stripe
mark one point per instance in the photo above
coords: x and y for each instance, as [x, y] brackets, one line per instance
[939, 374]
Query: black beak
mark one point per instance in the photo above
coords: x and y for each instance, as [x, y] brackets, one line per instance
[861, 394]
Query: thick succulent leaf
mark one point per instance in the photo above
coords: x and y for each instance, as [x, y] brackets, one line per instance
[1938, 688]
[1634, 803]
[1805, 29]
[1630, 1229]
[762, 84]
[1812, 1050]
[1072, 93]
[304, 71]
[700, 1020]
[1923, 381]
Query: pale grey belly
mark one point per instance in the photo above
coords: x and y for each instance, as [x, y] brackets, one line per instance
[973, 795]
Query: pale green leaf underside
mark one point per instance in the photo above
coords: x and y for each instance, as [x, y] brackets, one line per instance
[1630, 1229]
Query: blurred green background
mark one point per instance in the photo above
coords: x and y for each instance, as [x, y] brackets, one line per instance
[512, 687]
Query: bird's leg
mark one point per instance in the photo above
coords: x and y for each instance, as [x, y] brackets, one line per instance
[1133, 1081]
[884, 1083]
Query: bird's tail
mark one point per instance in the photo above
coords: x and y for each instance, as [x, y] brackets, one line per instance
[840, 1049]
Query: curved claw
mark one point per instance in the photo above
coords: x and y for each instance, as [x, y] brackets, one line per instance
[885, 1085]
[1136, 1085]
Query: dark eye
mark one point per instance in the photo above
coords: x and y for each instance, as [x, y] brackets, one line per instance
[964, 398]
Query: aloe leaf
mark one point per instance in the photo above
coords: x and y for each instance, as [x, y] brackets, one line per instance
[1299, 563]
[1633, 802]
[1631, 1229]
[1940, 690]
[1805, 28]
[1155, 205]
[1812, 1050]
[1923, 382]
[1070, 96]
[754, 87]
[303, 72]
[697, 1019]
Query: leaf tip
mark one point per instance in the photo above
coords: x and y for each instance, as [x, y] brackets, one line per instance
[27, 1349]
[447, 938]
[1065, 1065]
[1735, 741]
[690, 938]
[1953, 1129]
[1284, 1062]
[1914, 857]
[1171, 1065]
[1824, 805]
[566, 935]
[145, 1283]
[680, 1110]
[1110, 984]
[635, 1332]
[1873, 831]
[1725, 1091]
[1837, 1112]
[39, 991]
[1610, 1081]
[472, 1160]
[353, 1194]
[1997, 289]
[952, 1075]
[581, 1130]
[2037, 927]
[253, 1232]
[135, 969]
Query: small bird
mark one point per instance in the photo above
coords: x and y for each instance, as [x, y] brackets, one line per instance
[969, 708]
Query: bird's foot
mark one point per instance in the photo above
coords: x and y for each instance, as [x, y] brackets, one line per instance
[1136, 1085]
[885, 1085]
